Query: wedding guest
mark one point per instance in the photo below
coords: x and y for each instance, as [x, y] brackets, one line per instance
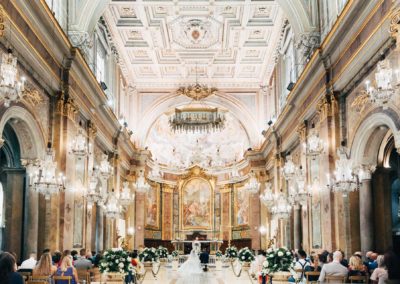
[64, 254]
[302, 262]
[322, 259]
[134, 257]
[356, 267]
[66, 269]
[392, 263]
[344, 261]
[372, 264]
[30, 263]
[333, 268]
[81, 262]
[44, 266]
[74, 254]
[380, 274]
[314, 266]
[46, 250]
[7, 270]
[56, 258]
[97, 259]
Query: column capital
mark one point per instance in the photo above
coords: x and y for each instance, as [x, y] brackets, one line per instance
[302, 131]
[365, 172]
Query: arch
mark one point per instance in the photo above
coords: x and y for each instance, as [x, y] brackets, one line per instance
[369, 136]
[167, 103]
[29, 134]
[297, 15]
[87, 14]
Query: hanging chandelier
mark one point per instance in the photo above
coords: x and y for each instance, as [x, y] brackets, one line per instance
[252, 186]
[79, 146]
[314, 145]
[197, 118]
[93, 196]
[386, 84]
[281, 209]
[268, 198]
[125, 197]
[105, 169]
[112, 207]
[45, 179]
[345, 180]
[300, 194]
[289, 169]
[141, 184]
[11, 87]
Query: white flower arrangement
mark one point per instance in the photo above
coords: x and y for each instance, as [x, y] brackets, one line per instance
[280, 259]
[116, 260]
[148, 255]
[231, 252]
[246, 255]
[162, 252]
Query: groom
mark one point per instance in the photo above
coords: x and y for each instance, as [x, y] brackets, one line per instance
[204, 258]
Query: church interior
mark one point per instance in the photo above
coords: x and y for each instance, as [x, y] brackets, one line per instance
[246, 126]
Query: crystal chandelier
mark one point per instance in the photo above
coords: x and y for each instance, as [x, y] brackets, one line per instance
[252, 186]
[141, 183]
[345, 181]
[281, 209]
[11, 89]
[300, 194]
[125, 197]
[79, 146]
[387, 83]
[289, 169]
[112, 207]
[314, 145]
[268, 198]
[197, 118]
[44, 178]
[93, 196]
[105, 169]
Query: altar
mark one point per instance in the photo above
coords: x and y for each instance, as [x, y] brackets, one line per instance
[186, 246]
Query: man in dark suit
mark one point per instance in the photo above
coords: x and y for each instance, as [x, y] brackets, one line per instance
[204, 258]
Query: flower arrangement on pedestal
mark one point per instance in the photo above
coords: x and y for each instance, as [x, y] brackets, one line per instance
[175, 253]
[218, 254]
[246, 255]
[231, 252]
[280, 259]
[116, 261]
[162, 252]
[148, 255]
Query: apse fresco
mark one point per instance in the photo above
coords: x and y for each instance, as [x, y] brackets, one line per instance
[182, 150]
[152, 208]
[196, 204]
[242, 205]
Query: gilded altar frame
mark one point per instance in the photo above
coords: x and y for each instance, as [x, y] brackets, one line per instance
[236, 225]
[155, 207]
[196, 173]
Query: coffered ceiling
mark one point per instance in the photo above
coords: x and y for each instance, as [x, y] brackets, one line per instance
[163, 44]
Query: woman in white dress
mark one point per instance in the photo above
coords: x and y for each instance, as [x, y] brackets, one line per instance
[191, 266]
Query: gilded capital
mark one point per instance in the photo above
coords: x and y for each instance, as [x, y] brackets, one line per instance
[92, 129]
[70, 109]
[2, 20]
[302, 131]
[394, 23]
[327, 107]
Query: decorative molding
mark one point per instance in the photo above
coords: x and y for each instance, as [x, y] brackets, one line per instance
[302, 131]
[327, 107]
[81, 40]
[365, 172]
[394, 28]
[2, 20]
[308, 42]
[92, 129]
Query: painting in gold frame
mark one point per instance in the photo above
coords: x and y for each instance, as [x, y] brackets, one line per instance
[152, 205]
[241, 201]
[196, 204]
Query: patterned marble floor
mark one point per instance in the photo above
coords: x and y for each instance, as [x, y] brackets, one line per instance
[224, 276]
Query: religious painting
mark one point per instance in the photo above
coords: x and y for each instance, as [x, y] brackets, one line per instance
[197, 204]
[241, 207]
[152, 202]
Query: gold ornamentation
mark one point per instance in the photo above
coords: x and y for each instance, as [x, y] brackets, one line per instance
[395, 26]
[360, 102]
[197, 92]
[302, 131]
[2, 20]
[92, 129]
[70, 109]
[327, 107]
[32, 97]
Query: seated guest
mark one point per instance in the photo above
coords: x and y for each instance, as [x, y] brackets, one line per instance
[56, 258]
[314, 266]
[30, 263]
[333, 268]
[344, 261]
[380, 274]
[64, 254]
[97, 259]
[74, 254]
[44, 266]
[356, 267]
[46, 250]
[322, 259]
[392, 263]
[66, 269]
[372, 264]
[7, 270]
[301, 263]
[81, 262]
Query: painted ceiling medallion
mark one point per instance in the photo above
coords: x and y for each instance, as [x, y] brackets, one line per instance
[200, 32]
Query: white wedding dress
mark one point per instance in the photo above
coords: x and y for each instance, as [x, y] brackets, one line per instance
[191, 266]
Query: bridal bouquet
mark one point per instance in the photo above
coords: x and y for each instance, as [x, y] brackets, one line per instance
[162, 252]
[245, 255]
[148, 254]
[279, 259]
[116, 260]
[231, 252]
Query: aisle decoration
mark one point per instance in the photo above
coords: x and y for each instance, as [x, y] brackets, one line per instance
[116, 261]
[218, 254]
[231, 252]
[148, 255]
[278, 260]
[245, 255]
[175, 254]
[162, 252]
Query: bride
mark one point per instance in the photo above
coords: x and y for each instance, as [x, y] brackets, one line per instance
[191, 266]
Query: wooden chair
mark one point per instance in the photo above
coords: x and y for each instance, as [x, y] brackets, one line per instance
[299, 272]
[25, 275]
[96, 275]
[37, 282]
[58, 279]
[358, 279]
[83, 274]
[336, 279]
[39, 278]
[312, 273]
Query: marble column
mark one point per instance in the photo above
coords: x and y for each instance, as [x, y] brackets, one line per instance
[100, 228]
[297, 232]
[366, 211]
[140, 218]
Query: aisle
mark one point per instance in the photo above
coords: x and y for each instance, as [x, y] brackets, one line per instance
[225, 276]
